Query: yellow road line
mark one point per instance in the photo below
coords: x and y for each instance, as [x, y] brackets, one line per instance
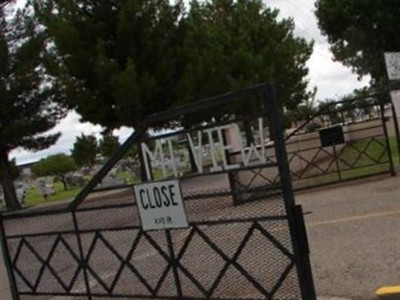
[388, 291]
[354, 218]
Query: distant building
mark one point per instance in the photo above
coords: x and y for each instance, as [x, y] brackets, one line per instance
[26, 169]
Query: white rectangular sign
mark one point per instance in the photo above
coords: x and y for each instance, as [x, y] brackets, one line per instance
[392, 60]
[160, 205]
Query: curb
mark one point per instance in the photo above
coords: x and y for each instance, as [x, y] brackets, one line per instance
[331, 298]
[388, 292]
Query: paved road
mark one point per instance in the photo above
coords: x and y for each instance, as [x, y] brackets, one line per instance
[354, 235]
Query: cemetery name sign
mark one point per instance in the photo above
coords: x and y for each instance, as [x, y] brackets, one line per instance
[164, 152]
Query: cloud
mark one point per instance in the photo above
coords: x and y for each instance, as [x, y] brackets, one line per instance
[70, 127]
[123, 133]
[331, 78]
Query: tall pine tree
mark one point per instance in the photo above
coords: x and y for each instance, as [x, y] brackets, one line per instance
[27, 94]
[117, 58]
[85, 150]
[123, 60]
[108, 144]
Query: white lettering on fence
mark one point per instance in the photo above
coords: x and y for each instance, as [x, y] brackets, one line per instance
[217, 148]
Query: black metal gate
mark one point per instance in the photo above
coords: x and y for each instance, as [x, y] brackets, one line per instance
[246, 237]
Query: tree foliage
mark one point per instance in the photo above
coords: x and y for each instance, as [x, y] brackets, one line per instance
[85, 150]
[360, 32]
[123, 60]
[28, 108]
[108, 145]
[234, 44]
[118, 58]
[55, 165]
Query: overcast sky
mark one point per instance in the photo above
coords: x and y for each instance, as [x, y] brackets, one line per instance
[332, 79]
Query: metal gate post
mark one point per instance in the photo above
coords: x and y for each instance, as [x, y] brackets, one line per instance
[234, 190]
[7, 261]
[385, 131]
[305, 253]
[396, 126]
[337, 163]
[275, 122]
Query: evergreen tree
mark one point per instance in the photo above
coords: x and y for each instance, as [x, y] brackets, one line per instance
[85, 150]
[360, 32]
[235, 44]
[27, 93]
[123, 60]
[108, 145]
[117, 58]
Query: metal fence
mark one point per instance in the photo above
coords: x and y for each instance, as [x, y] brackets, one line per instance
[343, 140]
[95, 247]
[340, 141]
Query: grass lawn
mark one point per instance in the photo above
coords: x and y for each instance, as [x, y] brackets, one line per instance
[129, 177]
[373, 149]
[395, 151]
[34, 197]
[349, 154]
[364, 165]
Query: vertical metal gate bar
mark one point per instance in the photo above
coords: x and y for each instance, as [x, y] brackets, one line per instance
[275, 118]
[305, 252]
[396, 126]
[385, 131]
[232, 186]
[231, 175]
[83, 260]
[337, 162]
[173, 263]
[274, 115]
[7, 261]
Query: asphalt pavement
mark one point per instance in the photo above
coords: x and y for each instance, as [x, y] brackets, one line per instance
[354, 236]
